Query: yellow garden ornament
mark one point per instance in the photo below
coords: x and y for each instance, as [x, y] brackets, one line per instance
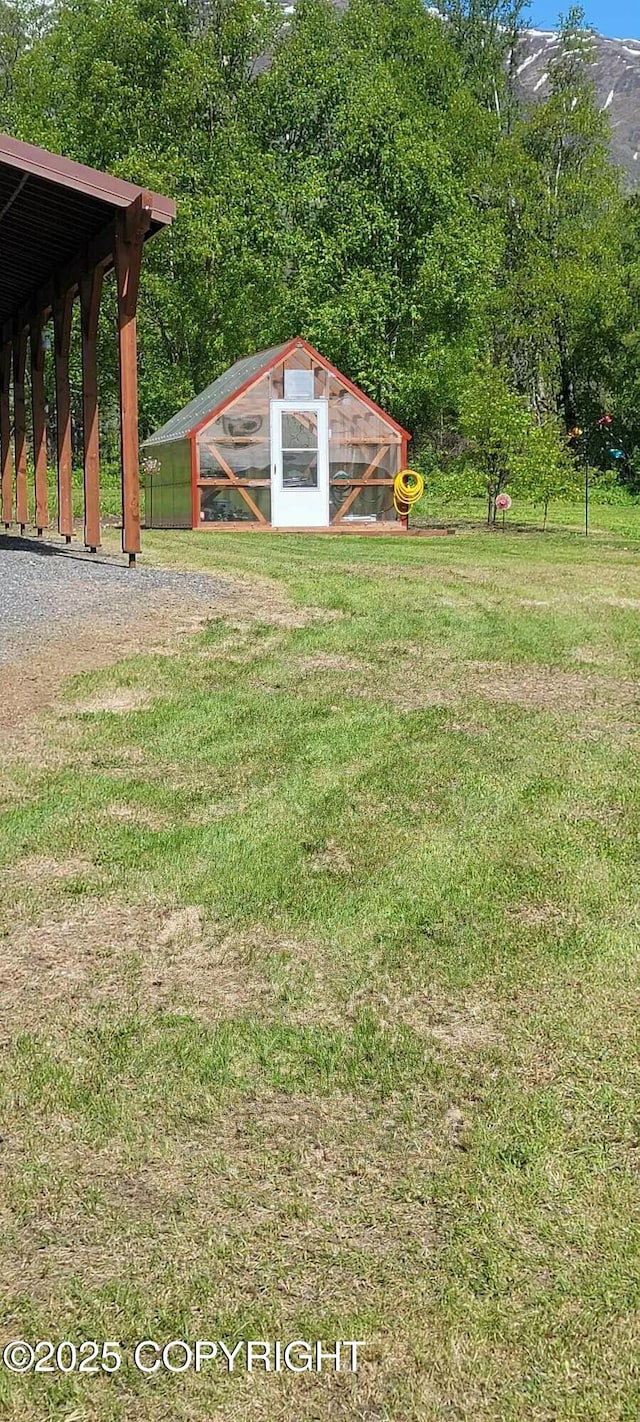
[408, 488]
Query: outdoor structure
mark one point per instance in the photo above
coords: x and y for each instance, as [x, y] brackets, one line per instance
[62, 227]
[281, 440]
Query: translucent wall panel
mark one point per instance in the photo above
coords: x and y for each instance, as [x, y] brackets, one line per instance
[167, 477]
[351, 462]
[237, 443]
[353, 421]
[372, 503]
[243, 425]
[247, 459]
[361, 447]
[228, 506]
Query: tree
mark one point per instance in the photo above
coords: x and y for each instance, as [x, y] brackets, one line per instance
[386, 254]
[545, 468]
[562, 270]
[487, 35]
[158, 91]
[625, 382]
[495, 424]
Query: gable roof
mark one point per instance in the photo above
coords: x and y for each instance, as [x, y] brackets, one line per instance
[238, 377]
[218, 393]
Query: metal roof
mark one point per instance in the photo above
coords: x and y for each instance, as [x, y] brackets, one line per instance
[215, 395]
[51, 209]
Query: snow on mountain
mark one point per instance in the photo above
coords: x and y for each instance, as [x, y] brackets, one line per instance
[617, 79]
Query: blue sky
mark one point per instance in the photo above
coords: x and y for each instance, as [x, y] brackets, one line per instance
[619, 18]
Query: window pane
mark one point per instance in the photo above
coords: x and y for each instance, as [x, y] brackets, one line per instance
[299, 429]
[299, 385]
[299, 469]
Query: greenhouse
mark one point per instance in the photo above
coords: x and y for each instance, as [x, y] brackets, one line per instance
[281, 440]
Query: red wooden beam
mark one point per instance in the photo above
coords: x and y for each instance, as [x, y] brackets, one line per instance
[5, 434]
[90, 293]
[131, 229]
[62, 317]
[39, 409]
[20, 426]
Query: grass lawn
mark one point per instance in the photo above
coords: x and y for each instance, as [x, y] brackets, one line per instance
[319, 989]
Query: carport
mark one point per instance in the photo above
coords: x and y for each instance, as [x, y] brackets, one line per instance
[63, 226]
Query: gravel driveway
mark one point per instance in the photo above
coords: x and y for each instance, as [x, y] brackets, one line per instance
[45, 589]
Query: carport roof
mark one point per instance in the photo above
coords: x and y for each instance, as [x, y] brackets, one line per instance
[57, 221]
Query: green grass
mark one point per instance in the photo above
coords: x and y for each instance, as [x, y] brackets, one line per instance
[320, 972]
[110, 493]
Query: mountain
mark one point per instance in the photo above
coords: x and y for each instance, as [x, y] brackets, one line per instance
[617, 79]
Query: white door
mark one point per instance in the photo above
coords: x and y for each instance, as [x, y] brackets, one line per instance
[299, 464]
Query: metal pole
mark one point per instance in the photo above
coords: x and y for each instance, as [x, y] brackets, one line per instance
[586, 495]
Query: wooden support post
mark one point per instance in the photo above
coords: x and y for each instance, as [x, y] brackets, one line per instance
[5, 434]
[20, 426]
[90, 293]
[130, 234]
[39, 409]
[62, 316]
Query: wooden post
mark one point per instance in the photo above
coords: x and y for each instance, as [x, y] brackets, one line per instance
[5, 434]
[90, 293]
[130, 233]
[62, 316]
[20, 426]
[39, 410]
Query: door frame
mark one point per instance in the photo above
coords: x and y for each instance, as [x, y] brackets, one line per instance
[321, 409]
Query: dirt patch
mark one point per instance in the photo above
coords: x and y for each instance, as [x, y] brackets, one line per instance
[539, 915]
[331, 859]
[43, 660]
[463, 1031]
[141, 817]
[418, 684]
[469, 728]
[456, 1127]
[253, 599]
[413, 680]
[539, 686]
[141, 958]
[587, 656]
[328, 661]
[34, 679]
[116, 702]
[461, 1026]
[37, 868]
[301, 1196]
